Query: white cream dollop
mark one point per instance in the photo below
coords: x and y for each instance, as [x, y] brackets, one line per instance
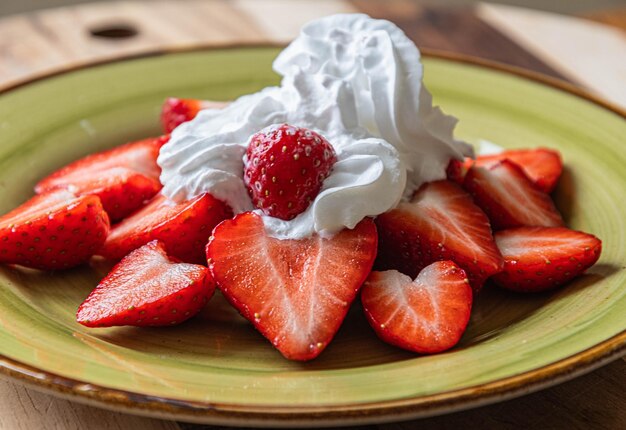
[358, 82]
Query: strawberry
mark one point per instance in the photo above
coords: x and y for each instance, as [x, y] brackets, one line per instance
[184, 228]
[509, 198]
[542, 166]
[176, 111]
[295, 292]
[542, 258]
[55, 230]
[147, 288]
[427, 315]
[124, 177]
[457, 170]
[441, 222]
[285, 167]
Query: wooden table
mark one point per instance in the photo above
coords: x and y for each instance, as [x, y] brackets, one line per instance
[585, 53]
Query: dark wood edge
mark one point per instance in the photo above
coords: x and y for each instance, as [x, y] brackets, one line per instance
[216, 413]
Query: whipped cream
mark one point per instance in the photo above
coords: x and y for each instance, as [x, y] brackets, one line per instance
[358, 82]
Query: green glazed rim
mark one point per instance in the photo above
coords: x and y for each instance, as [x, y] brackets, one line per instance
[337, 413]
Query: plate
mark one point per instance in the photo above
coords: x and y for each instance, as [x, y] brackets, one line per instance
[216, 368]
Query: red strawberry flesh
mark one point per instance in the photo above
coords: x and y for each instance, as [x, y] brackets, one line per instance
[457, 170]
[295, 292]
[184, 227]
[285, 168]
[176, 111]
[542, 166]
[543, 258]
[440, 223]
[427, 315]
[509, 198]
[147, 288]
[124, 177]
[55, 230]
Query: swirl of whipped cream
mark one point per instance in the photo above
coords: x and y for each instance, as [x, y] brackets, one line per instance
[356, 81]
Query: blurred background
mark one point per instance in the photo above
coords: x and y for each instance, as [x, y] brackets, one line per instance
[560, 6]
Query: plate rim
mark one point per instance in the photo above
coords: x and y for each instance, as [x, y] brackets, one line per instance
[328, 415]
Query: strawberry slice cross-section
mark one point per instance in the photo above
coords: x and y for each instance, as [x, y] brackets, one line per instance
[543, 258]
[55, 230]
[426, 315]
[295, 292]
[124, 178]
[543, 166]
[441, 222]
[509, 198]
[147, 288]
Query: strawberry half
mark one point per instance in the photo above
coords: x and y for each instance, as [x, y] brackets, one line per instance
[147, 288]
[55, 230]
[184, 228]
[441, 222]
[542, 166]
[176, 111]
[124, 177]
[295, 292]
[542, 258]
[509, 198]
[427, 315]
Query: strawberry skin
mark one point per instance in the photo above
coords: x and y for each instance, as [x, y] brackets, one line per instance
[441, 222]
[427, 315]
[543, 258]
[295, 292]
[176, 111]
[55, 230]
[284, 169]
[147, 288]
[457, 170]
[184, 228]
[121, 191]
[124, 177]
[509, 198]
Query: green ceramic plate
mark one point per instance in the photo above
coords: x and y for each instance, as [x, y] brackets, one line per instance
[216, 368]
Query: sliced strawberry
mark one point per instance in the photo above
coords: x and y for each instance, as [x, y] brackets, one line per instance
[184, 228]
[124, 177]
[457, 170]
[427, 315]
[147, 288]
[509, 198]
[176, 111]
[121, 191]
[440, 223]
[542, 258]
[54, 230]
[295, 292]
[542, 166]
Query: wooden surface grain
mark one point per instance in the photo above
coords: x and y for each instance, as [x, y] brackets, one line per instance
[25, 409]
[48, 41]
[615, 17]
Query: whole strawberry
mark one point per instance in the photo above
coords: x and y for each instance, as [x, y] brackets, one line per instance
[285, 167]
